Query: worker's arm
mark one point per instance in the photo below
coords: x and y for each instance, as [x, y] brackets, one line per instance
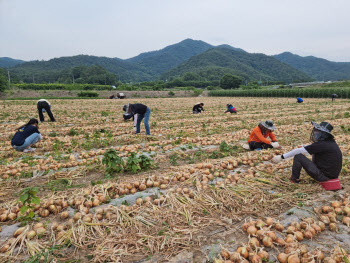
[273, 137]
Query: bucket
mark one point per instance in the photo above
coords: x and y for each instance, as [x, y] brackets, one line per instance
[333, 184]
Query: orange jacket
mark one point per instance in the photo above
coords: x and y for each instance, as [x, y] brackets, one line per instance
[257, 136]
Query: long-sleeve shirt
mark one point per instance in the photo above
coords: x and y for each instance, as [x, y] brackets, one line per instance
[137, 108]
[21, 135]
[325, 154]
[197, 108]
[257, 136]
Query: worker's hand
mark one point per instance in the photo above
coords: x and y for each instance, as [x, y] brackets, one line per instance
[275, 145]
[276, 159]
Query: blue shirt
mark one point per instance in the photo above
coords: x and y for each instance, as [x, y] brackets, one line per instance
[300, 99]
[20, 136]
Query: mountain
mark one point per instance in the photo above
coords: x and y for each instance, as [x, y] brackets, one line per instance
[157, 62]
[51, 70]
[317, 68]
[6, 62]
[220, 60]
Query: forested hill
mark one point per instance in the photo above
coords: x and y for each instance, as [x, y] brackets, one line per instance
[318, 68]
[160, 61]
[50, 71]
[218, 61]
[6, 62]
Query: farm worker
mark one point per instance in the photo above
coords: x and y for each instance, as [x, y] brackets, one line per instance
[257, 139]
[326, 161]
[26, 135]
[299, 100]
[43, 105]
[198, 108]
[230, 109]
[143, 112]
[127, 116]
[334, 96]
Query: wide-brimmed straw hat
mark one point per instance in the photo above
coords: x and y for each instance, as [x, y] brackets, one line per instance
[268, 125]
[323, 126]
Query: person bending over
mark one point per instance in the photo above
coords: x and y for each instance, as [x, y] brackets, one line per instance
[230, 109]
[43, 105]
[143, 113]
[198, 108]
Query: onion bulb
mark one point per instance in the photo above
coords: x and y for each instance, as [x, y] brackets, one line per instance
[41, 231]
[336, 204]
[279, 227]
[269, 221]
[293, 259]
[254, 242]
[299, 236]
[267, 241]
[38, 225]
[18, 231]
[264, 255]
[243, 252]
[346, 220]
[245, 226]
[31, 234]
[224, 254]
[251, 230]
[326, 209]
[4, 248]
[333, 227]
[282, 258]
[64, 215]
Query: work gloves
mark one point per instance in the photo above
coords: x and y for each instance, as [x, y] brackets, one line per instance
[276, 159]
[275, 145]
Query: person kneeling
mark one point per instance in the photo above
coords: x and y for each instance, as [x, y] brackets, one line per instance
[326, 161]
[26, 135]
[257, 139]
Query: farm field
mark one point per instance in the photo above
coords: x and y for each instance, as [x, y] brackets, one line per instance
[187, 193]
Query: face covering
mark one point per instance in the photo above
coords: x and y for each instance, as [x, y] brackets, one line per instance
[317, 135]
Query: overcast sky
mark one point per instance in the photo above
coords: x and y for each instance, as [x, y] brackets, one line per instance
[44, 29]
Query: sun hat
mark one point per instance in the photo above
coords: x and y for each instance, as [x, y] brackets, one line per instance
[323, 126]
[268, 125]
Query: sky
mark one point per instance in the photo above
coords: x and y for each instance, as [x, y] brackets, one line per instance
[45, 29]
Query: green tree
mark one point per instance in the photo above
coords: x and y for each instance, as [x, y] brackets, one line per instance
[3, 81]
[229, 81]
[191, 76]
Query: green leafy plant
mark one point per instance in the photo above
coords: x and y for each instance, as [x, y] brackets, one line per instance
[146, 162]
[133, 163]
[113, 163]
[73, 132]
[28, 198]
[173, 158]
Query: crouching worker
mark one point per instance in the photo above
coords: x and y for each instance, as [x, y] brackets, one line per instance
[257, 139]
[142, 111]
[326, 161]
[43, 105]
[198, 108]
[299, 100]
[230, 109]
[26, 135]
